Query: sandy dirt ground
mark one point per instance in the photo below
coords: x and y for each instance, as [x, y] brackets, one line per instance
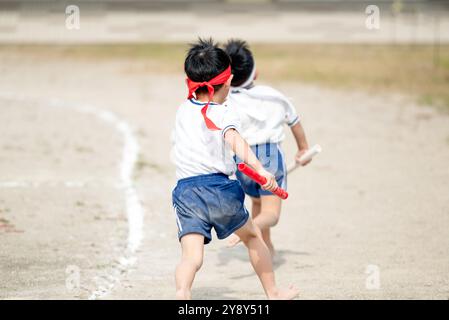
[377, 198]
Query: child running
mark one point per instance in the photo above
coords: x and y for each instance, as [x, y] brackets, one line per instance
[263, 112]
[206, 133]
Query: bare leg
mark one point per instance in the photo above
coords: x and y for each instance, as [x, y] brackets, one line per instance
[269, 213]
[266, 234]
[255, 207]
[261, 261]
[266, 212]
[192, 258]
[255, 210]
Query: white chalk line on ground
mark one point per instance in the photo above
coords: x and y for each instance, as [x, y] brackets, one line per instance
[134, 209]
[53, 184]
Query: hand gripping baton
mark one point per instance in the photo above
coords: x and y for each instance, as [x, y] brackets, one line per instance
[281, 193]
[305, 157]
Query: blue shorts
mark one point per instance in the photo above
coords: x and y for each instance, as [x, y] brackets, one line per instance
[272, 158]
[206, 201]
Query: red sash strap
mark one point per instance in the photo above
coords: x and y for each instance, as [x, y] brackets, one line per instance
[193, 86]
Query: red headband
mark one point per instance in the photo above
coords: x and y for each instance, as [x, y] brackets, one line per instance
[193, 86]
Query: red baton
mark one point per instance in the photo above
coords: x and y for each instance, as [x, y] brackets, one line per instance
[253, 175]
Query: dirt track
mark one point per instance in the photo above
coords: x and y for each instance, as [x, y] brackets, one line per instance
[377, 195]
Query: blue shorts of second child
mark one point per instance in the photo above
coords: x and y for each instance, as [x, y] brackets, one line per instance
[272, 159]
[209, 201]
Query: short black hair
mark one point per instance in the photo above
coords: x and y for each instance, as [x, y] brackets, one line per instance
[242, 61]
[204, 61]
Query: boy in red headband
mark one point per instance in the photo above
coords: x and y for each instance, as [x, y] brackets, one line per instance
[206, 134]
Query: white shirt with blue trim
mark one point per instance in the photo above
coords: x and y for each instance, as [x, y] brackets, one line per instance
[263, 112]
[198, 150]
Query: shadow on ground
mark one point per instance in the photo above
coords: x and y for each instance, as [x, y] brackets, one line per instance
[215, 293]
[239, 253]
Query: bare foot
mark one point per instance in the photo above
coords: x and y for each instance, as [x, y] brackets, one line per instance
[182, 294]
[233, 240]
[285, 294]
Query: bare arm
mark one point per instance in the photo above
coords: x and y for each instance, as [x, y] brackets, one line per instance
[301, 141]
[244, 152]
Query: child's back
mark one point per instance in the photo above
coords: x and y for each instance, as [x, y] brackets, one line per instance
[198, 150]
[263, 112]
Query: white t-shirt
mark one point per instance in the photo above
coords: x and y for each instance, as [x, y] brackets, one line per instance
[198, 150]
[263, 111]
